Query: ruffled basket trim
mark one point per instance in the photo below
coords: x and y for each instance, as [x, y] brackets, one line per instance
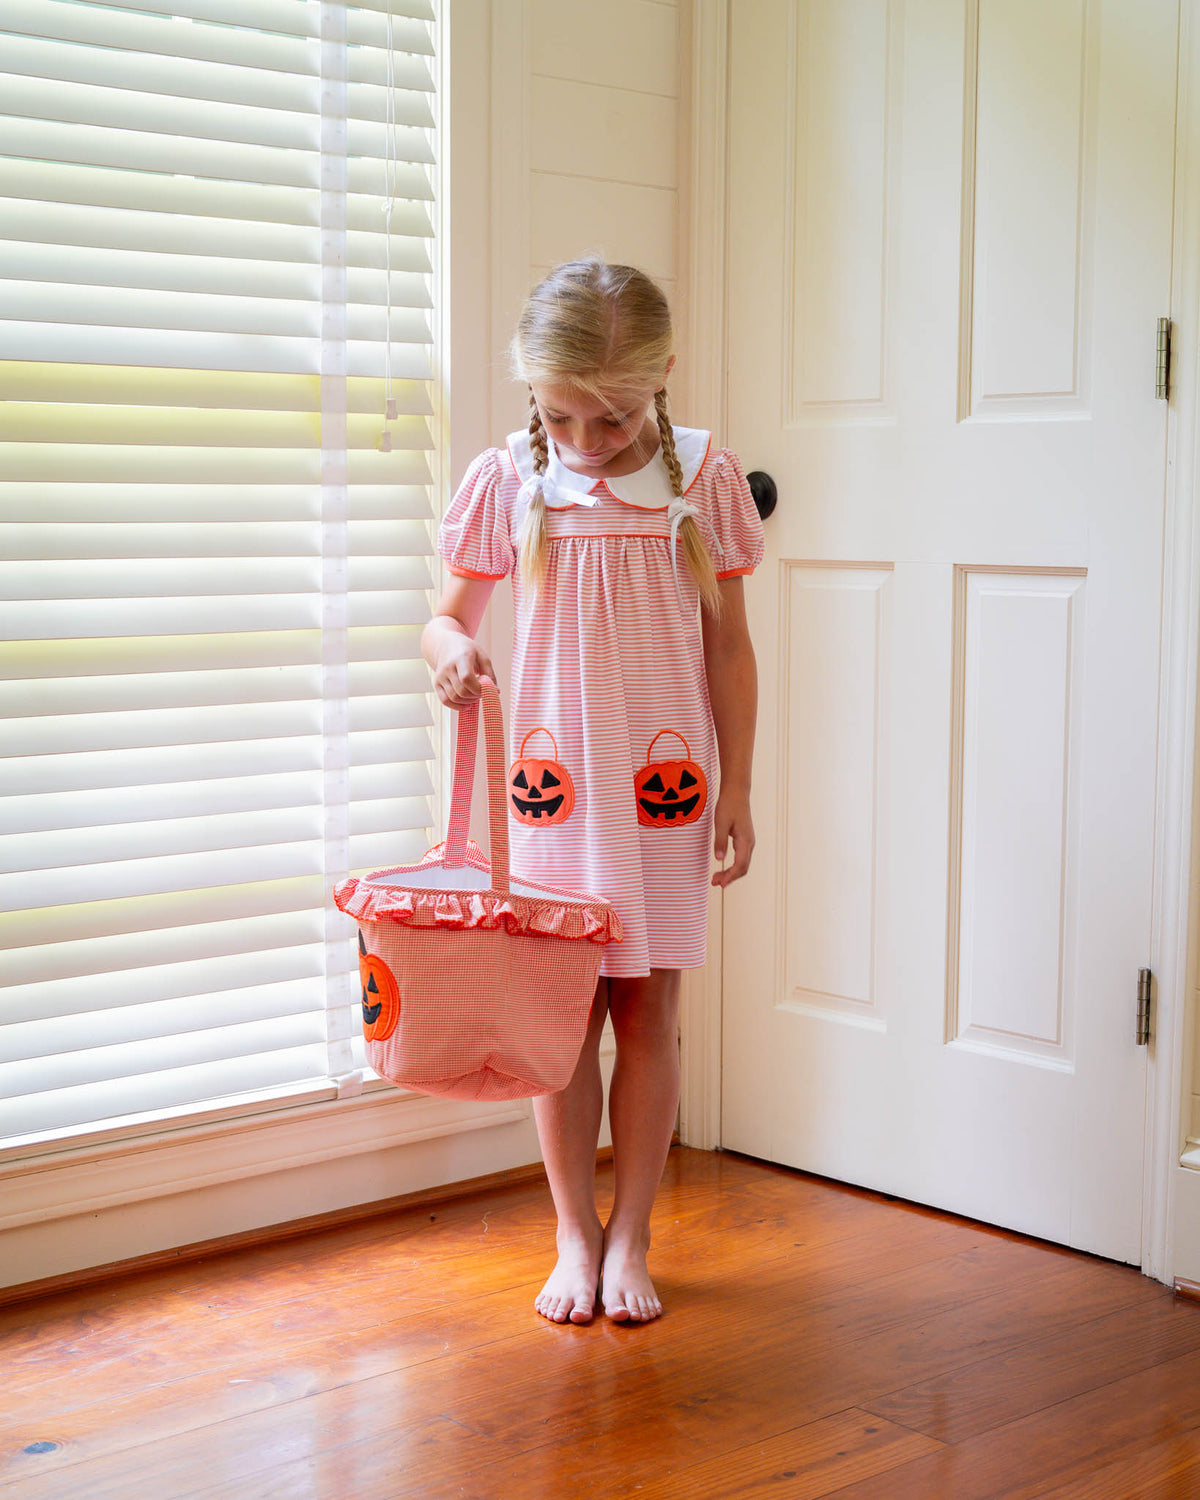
[594, 921]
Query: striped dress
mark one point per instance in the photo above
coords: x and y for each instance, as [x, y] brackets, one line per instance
[614, 770]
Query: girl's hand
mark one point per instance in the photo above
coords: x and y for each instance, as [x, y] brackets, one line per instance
[456, 677]
[731, 820]
[448, 641]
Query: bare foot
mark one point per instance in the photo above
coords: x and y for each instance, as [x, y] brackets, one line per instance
[570, 1290]
[626, 1288]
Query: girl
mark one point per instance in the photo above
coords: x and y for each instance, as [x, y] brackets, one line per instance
[615, 525]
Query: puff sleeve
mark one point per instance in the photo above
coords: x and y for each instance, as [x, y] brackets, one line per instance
[475, 536]
[732, 518]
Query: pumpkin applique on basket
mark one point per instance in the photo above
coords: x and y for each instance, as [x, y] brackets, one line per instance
[475, 986]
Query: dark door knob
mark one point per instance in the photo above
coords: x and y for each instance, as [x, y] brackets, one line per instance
[762, 487]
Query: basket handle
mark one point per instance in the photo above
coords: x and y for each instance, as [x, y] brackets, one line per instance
[464, 775]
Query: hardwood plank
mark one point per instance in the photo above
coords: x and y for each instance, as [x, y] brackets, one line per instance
[803, 1464]
[1164, 1471]
[1067, 1444]
[1044, 1372]
[369, 1470]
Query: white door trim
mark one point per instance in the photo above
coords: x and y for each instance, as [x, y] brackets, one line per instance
[1177, 850]
[702, 216]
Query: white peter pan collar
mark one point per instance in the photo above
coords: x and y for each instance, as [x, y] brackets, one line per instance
[648, 488]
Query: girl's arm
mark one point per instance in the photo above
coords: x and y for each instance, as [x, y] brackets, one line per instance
[733, 692]
[449, 645]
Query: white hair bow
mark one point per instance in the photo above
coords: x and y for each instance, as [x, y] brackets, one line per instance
[552, 493]
[535, 485]
[676, 511]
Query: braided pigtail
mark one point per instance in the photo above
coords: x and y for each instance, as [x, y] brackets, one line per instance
[532, 541]
[694, 550]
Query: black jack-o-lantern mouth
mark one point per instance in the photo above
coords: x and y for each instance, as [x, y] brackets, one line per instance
[536, 804]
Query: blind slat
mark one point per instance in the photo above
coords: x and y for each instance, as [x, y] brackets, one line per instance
[32, 501]
[97, 921]
[231, 988]
[95, 733]
[69, 264]
[118, 808]
[188, 78]
[210, 832]
[72, 102]
[180, 539]
[195, 688]
[116, 1099]
[25, 661]
[113, 953]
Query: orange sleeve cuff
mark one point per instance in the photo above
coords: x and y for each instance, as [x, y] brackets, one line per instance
[467, 573]
[735, 572]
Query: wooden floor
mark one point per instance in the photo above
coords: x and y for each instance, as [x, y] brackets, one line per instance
[818, 1341]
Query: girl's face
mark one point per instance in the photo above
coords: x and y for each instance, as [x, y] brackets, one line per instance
[592, 433]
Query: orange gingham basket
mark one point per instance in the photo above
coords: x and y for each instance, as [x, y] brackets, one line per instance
[475, 986]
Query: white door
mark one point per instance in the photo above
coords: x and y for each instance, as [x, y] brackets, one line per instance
[949, 232]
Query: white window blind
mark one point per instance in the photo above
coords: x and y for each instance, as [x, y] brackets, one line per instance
[216, 223]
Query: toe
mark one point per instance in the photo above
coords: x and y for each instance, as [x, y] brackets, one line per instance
[550, 1308]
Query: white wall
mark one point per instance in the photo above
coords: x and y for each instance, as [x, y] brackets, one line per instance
[604, 153]
[592, 112]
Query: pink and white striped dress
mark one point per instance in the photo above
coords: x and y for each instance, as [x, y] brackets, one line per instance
[614, 772]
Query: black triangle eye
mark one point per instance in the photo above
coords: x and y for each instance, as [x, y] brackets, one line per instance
[519, 780]
[549, 779]
[372, 987]
[687, 779]
[655, 784]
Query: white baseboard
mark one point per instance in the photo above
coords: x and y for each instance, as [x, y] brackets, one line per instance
[1186, 1216]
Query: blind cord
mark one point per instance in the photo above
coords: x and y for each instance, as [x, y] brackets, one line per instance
[389, 185]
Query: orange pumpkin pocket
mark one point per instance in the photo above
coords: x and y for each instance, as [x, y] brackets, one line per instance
[540, 791]
[380, 995]
[670, 793]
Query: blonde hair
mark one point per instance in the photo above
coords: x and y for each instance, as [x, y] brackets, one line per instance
[595, 328]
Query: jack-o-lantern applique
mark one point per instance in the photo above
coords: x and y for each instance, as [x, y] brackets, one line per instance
[540, 791]
[669, 792]
[380, 995]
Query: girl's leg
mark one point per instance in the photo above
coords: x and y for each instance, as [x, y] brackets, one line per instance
[568, 1128]
[642, 1103]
